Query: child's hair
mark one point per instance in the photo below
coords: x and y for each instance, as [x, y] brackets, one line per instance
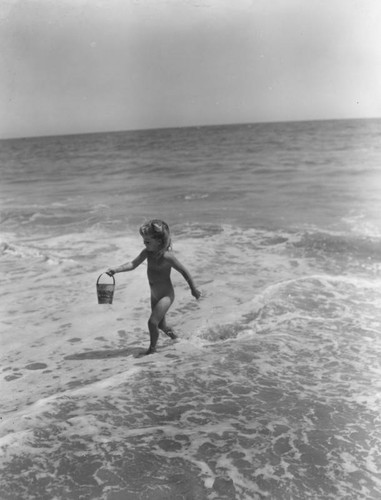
[159, 230]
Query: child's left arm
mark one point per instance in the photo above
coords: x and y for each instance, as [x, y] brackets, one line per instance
[176, 264]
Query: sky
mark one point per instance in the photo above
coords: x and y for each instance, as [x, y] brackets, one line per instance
[81, 66]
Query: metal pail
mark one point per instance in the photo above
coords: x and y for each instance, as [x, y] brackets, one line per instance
[105, 291]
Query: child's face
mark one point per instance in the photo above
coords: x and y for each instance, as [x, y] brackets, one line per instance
[151, 244]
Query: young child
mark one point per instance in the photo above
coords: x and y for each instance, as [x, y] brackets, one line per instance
[160, 261]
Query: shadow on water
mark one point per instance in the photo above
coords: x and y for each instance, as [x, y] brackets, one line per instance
[105, 354]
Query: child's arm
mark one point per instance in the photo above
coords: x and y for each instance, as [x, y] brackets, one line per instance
[185, 273]
[128, 266]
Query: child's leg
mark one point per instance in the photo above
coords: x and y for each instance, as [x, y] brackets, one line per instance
[163, 323]
[167, 329]
[159, 310]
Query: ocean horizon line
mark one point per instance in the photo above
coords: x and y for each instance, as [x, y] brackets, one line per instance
[200, 126]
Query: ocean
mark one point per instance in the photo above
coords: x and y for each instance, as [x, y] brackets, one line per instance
[272, 390]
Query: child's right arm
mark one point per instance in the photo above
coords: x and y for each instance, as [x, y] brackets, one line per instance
[129, 266]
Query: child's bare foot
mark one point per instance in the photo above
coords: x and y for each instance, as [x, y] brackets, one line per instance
[171, 334]
[151, 350]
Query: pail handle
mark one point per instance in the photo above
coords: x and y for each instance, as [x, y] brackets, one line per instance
[107, 275]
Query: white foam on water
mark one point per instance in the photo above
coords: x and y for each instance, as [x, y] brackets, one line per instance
[270, 387]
